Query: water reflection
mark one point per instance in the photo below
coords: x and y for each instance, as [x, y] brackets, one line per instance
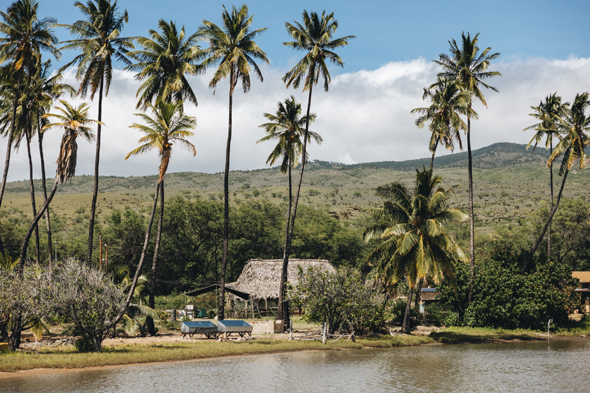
[514, 367]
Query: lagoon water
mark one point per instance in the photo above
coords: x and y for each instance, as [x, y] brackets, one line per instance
[558, 366]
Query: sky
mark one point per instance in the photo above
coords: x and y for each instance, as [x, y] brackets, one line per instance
[365, 116]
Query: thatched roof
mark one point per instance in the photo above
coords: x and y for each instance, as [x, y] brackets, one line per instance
[584, 277]
[261, 277]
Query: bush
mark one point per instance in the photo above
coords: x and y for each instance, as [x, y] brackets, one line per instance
[84, 344]
[88, 297]
[341, 299]
[505, 298]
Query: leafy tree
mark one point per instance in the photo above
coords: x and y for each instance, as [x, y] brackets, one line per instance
[338, 298]
[162, 63]
[287, 127]
[88, 297]
[470, 68]
[548, 113]
[506, 298]
[23, 301]
[99, 39]
[25, 35]
[449, 102]
[315, 37]
[168, 126]
[233, 50]
[573, 127]
[414, 244]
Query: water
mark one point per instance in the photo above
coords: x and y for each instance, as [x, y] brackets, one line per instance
[515, 367]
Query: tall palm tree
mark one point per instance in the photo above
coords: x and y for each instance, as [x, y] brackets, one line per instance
[315, 37]
[470, 68]
[25, 36]
[548, 113]
[233, 50]
[573, 126]
[448, 102]
[168, 126]
[162, 63]
[415, 244]
[99, 40]
[287, 127]
[37, 96]
[49, 88]
[76, 123]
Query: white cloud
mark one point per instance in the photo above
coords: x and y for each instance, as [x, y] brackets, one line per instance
[364, 117]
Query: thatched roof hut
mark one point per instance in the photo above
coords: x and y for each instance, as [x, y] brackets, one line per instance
[261, 277]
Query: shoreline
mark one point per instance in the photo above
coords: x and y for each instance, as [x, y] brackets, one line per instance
[118, 358]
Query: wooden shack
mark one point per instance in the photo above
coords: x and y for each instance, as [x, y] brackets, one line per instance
[583, 289]
[261, 277]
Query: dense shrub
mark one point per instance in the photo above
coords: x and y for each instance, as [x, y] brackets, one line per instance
[341, 299]
[505, 298]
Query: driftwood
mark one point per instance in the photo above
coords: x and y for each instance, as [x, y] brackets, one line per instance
[320, 335]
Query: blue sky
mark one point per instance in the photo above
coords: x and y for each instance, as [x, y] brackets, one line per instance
[385, 30]
[365, 116]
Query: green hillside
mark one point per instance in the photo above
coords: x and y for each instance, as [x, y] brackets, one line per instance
[510, 182]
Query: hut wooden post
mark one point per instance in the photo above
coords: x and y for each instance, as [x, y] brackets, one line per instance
[252, 306]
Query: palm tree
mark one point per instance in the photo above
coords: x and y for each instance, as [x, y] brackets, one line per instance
[415, 244]
[548, 113]
[449, 102]
[99, 41]
[286, 126]
[573, 126]
[163, 63]
[168, 126]
[233, 50]
[37, 96]
[470, 68]
[75, 122]
[315, 37]
[24, 38]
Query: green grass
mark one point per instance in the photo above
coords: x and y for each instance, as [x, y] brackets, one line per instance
[454, 335]
[132, 354]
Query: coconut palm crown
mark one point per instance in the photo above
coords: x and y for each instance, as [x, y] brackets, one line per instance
[415, 244]
[315, 37]
[99, 40]
[168, 126]
[162, 63]
[76, 124]
[286, 126]
[448, 102]
[232, 48]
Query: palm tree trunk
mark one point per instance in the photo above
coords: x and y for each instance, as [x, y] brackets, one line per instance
[296, 202]
[28, 136]
[551, 185]
[96, 163]
[221, 305]
[406, 324]
[471, 220]
[551, 213]
[141, 259]
[433, 153]
[418, 296]
[44, 184]
[28, 234]
[10, 138]
[282, 286]
[149, 322]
